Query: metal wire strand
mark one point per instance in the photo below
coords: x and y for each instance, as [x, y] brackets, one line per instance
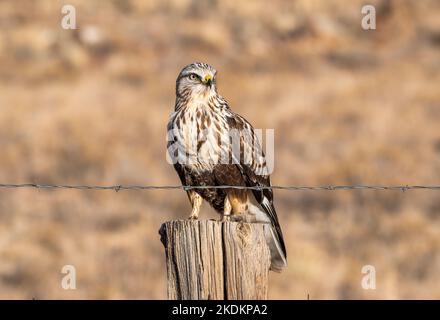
[171, 187]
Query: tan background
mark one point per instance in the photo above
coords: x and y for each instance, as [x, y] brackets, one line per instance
[348, 106]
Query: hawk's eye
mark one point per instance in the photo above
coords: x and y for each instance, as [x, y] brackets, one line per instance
[193, 76]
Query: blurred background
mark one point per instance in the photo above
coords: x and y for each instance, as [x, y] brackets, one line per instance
[90, 106]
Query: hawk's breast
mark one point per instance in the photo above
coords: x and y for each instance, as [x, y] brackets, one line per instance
[200, 136]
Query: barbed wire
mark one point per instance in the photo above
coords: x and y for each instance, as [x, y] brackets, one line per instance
[187, 188]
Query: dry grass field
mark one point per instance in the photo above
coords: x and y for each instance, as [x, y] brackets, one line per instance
[90, 106]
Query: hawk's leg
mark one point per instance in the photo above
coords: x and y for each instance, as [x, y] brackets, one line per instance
[227, 208]
[196, 201]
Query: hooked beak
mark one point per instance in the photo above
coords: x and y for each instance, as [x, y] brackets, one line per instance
[208, 80]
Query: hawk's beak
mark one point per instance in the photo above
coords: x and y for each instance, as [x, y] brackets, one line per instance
[207, 80]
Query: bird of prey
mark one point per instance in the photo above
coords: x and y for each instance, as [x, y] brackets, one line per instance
[210, 145]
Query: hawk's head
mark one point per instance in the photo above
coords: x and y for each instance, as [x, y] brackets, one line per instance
[196, 80]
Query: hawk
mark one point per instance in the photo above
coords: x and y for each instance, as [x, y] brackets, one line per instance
[210, 145]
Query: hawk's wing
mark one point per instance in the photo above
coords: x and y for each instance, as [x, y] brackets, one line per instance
[180, 169]
[252, 165]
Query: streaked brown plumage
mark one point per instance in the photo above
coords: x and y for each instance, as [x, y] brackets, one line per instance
[202, 131]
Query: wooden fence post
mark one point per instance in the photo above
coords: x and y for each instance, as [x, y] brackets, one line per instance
[209, 259]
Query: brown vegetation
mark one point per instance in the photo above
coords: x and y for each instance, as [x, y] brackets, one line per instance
[348, 106]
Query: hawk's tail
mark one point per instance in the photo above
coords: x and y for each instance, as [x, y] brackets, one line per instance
[274, 239]
[278, 259]
[265, 212]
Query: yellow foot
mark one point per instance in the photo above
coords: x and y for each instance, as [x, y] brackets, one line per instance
[226, 218]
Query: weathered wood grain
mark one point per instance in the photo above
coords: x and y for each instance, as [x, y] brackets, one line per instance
[209, 259]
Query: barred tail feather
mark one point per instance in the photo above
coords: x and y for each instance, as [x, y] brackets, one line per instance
[265, 212]
[277, 254]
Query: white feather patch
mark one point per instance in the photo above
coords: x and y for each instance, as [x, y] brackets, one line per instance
[256, 209]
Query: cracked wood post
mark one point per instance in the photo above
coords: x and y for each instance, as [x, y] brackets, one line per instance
[209, 259]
